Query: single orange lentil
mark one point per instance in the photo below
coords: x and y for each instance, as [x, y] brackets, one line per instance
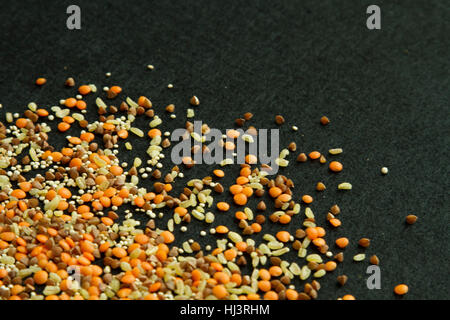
[154, 133]
[307, 199]
[40, 81]
[342, 242]
[18, 193]
[119, 252]
[401, 289]
[63, 126]
[330, 266]
[283, 236]
[84, 90]
[335, 166]
[81, 105]
[264, 285]
[271, 295]
[220, 292]
[275, 192]
[348, 297]
[168, 236]
[291, 294]
[251, 159]
[221, 229]
[116, 89]
[219, 173]
[314, 155]
[41, 277]
[275, 271]
[256, 227]
[21, 122]
[311, 233]
[240, 215]
[264, 274]
[70, 102]
[223, 206]
[240, 199]
[123, 134]
[236, 189]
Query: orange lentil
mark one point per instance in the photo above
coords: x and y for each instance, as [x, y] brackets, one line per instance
[291, 294]
[40, 277]
[42, 112]
[109, 126]
[335, 222]
[116, 170]
[240, 215]
[248, 191]
[68, 119]
[81, 105]
[314, 155]
[311, 233]
[275, 192]
[168, 236]
[123, 134]
[283, 236]
[84, 90]
[221, 229]
[181, 211]
[219, 173]
[74, 140]
[236, 189]
[219, 291]
[264, 285]
[21, 123]
[70, 102]
[87, 136]
[275, 271]
[284, 197]
[245, 172]
[18, 193]
[230, 254]
[256, 227]
[342, 242]
[307, 199]
[65, 193]
[119, 252]
[319, 242]
[240, 199]
[242, 180]
[40, 81]
[284, 219]
[229, 145]
[154, 133]
[335, 166]
[330, 266]
[141, 239]
[271, 295]
[401, 289]
[128, 279]
[223, 206]
[241, 246]
[348, 297]
[7, 236]
[251, 159]
[221, 277]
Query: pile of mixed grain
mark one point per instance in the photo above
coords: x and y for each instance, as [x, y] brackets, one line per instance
[65, 235]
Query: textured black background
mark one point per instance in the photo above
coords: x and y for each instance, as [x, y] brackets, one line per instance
[386, 93]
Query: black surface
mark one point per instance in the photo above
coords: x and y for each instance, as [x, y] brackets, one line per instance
[386, 93]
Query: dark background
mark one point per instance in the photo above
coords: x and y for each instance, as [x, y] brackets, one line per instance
[386, 93]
